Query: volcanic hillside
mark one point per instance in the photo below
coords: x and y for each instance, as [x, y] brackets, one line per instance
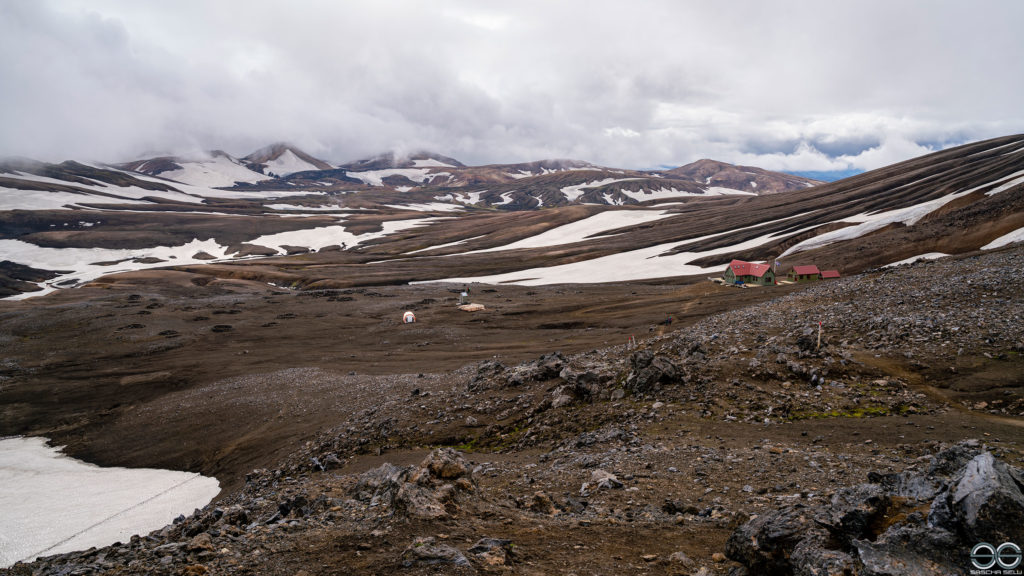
[396, 225]
[949, 202]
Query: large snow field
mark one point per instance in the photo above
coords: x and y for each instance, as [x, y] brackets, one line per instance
[53, 504]
[866, 223]
[642, 264]
[317, 238]
[288, 163]
[574, 192]
[213, 172]
[82, 263]
[376, 177]
[581, 229]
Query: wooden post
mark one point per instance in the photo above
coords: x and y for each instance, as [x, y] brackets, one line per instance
[819, 335]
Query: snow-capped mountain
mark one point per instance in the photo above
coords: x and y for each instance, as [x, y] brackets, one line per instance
[218, 170]
[64, 224]
[282, 159]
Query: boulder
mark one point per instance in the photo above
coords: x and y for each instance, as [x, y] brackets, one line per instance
[914, 523]
[426, 551]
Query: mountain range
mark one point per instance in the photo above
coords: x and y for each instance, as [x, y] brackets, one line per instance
[424, 216]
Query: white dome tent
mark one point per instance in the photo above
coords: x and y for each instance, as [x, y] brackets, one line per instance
[408, 317]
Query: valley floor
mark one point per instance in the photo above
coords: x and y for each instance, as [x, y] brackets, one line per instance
[585, 454]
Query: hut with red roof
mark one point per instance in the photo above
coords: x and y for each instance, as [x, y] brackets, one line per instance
[807, 273]
[740, 272]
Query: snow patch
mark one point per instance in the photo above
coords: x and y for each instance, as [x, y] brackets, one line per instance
[912, 259]
[219, 171]
[83, 262]
[429, 207]
[317, 238]
[55, 504]
[582, 229]
[1005, 240]
[376, 177]
[288, 163]
[572, 193]
[430, 163]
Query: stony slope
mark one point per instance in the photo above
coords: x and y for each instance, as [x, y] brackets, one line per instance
[620, 460]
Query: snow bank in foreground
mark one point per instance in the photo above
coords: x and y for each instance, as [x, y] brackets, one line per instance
[54, 504]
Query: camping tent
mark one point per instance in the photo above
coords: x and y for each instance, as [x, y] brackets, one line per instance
[408, 317]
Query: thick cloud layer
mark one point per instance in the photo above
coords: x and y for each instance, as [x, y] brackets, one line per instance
[782, 85]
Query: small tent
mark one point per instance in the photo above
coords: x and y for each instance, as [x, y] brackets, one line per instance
[408, 317]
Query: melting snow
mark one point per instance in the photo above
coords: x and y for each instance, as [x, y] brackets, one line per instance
[288, 163]
[866, 223]
[376, 177]
[429, 207]
[82, 262]
[317, 238]
[430, 163]
[574, 192]
[217, 171]
[54, 504]
[581, 229]
[912, 259]
[1015, 236]
[299, 207]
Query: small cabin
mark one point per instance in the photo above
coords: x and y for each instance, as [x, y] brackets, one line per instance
[803, 274]
[829, 274]
[740, 272]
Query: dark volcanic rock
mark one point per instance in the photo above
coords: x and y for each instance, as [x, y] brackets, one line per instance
[650, 372]
[911, 523]
[429, 490]
[427, 551]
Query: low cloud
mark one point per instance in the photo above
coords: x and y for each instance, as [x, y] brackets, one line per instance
[789, 85]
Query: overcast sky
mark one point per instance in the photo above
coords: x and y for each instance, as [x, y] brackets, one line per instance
[806, 85]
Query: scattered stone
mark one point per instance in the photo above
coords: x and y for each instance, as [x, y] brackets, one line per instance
[492, 551]
[425, 551]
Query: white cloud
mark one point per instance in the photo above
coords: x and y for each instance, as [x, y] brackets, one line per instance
[790, 84]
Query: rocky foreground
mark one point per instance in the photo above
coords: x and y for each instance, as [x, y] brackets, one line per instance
[745, 444]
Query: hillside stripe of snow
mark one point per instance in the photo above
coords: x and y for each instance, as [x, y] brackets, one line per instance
[439, 246]
[13, 199]
[866, 223]
[428, 207]
[300, 207]
[719, 191]
[912, 259]
[1006, 239]
[642, 264]
[579, 230]
[1018, 178]
[574, 192]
